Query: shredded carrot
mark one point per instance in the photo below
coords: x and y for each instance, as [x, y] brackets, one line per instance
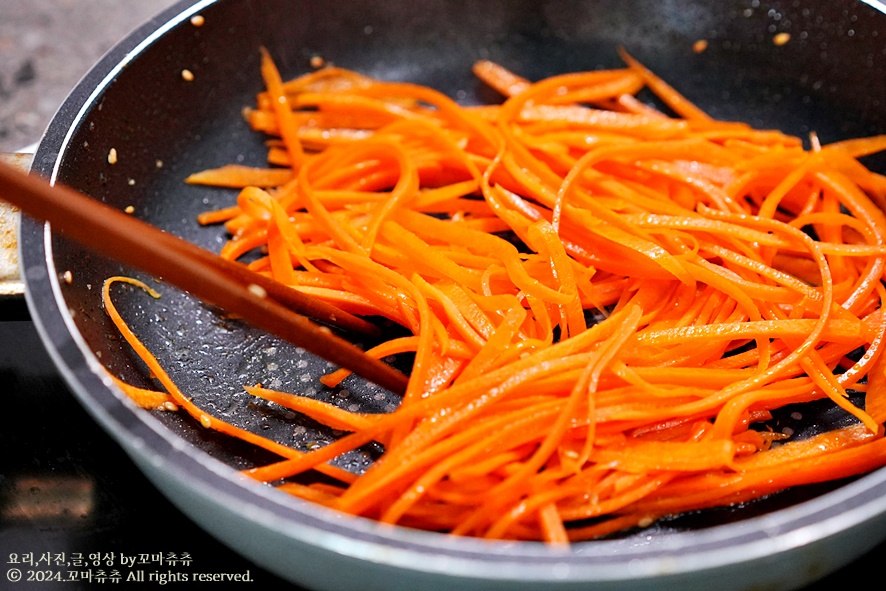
[146, 397]
[236, 175]
[605, 302]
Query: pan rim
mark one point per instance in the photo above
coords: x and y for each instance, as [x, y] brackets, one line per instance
[766, 536]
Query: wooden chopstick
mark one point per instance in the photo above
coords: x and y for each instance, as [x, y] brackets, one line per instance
[228, 285]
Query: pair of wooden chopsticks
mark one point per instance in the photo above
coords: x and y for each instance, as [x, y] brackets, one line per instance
[259, 300]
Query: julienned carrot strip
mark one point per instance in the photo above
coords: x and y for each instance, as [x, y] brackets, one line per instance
[505, 431]
[325, 413]
[827, 382]
[280, 104]
[448, 409]
[583, 391]
[500, 78]
[391, 347]
[836, 331]
[501, 249]
[239, 176]
[494, 346]
[875, 398]
[631, 104]
[543, 239]
[628, 124]
[206, 420]
[668, 94]
[851, 450]
[604, 303]
[860, 147]
[144, 397]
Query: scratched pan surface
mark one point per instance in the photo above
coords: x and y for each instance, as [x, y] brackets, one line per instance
[829, 79]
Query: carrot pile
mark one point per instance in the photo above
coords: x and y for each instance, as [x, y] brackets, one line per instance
[605, 300]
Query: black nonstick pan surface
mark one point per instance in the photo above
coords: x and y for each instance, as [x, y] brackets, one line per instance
[828, 79]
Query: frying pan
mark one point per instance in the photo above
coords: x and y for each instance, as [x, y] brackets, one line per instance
[828, 79]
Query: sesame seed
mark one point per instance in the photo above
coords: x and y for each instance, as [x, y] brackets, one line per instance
[68, 277]
[129, 209]
[187, 75]
[257, 290]
[197, 20]
[112, 156]
[700, 45]
[781, 38]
